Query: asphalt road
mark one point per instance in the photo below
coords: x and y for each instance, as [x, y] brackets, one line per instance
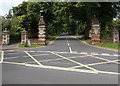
[66, 61]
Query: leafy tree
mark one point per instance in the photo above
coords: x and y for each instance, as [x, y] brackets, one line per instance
[116, 24]
[61, 17]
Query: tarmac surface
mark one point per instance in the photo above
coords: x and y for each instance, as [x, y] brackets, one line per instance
[66, 61]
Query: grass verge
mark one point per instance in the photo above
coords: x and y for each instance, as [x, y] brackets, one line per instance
[83, 39]
[32, 45]
[109, 45]
[50, 38]
[106, 45]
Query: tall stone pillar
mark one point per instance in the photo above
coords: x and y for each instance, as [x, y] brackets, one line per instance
[23, 36]
[95, 35]
[115, 36]
[6, 37]
[42, 31]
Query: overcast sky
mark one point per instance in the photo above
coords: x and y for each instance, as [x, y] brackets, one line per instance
[5, 5]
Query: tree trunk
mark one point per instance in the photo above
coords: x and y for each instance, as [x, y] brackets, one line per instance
[86, 36]
[102, 30]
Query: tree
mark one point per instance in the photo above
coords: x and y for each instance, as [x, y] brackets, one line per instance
[61, 17]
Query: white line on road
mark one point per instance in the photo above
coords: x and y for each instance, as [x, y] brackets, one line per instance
[98, 63]
[10, 50]
[46, 51]
[94, 53]
[2, 56]
[70, 49]
[106, 72]
[102, 59]
[68, 44]
[115, 55]
[83, 53]
[33, 58]
[105, 54]
[62, 68]
[31, 51]
[75, 52]
[55, 59]
[15, 63]
[75, 61]
[67, 40]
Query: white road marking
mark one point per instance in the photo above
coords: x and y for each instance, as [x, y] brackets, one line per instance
[106, 72]
[94, 53]
[99, 63]
[70, 49]
[62, 68]
[31, 51]
[40, 55]
[12, 53]
[75, 62]
[25, 56]
[102, 58]
[61, 52]
[14, 63]
[46, 51]
[69, 69]
[66, 39]
[83, 52]
[105, 54]
[33, 58]
[54, 59]
[16, 57]
[68, 44]
[74, 52]
[10, 50]
[115, 55]
[2, 56]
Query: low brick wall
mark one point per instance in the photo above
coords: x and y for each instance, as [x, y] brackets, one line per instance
[34, 40]
[106, 40]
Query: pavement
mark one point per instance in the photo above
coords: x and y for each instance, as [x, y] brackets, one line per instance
[9, 47]
[66, 61]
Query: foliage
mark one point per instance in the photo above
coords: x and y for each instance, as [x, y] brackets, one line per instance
[51, 37]
[71, 17]
[15, 37]
[116, 24]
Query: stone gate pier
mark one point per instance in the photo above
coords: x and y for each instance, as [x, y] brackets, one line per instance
[5, 37]
[116, 36]
[42, 31]
[23, 36]
[95, 35]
